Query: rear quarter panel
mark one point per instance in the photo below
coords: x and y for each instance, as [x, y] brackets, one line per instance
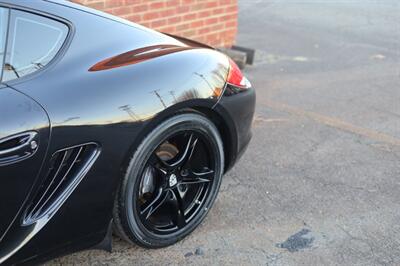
[112, 107]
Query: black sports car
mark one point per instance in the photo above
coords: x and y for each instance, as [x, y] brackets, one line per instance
[109, 126]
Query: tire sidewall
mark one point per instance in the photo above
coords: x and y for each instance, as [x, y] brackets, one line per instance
[181, 122]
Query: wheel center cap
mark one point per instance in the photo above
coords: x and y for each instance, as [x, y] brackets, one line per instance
[172, 180]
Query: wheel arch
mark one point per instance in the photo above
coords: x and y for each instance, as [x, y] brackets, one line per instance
[225, 131]
[201, 106]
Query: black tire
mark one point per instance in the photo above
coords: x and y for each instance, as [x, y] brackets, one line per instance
[130, 220]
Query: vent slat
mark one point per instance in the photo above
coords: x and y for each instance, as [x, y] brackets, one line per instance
[62, 180]
[65, 164]
[34, 209]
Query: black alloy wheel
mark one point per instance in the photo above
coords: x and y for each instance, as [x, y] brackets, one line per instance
[171, 182]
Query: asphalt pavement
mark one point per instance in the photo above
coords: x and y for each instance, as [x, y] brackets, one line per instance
[320, 182]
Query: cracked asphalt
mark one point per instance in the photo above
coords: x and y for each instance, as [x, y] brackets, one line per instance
[320, 182]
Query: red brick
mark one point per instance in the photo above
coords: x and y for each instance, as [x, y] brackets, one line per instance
[182, 27]
[140, 8]
[174, 20]
[189, 33]
[187, 2]
[212, 4]
[182, 9]
[190, 16]
[198, 6]
[122, 10]
[204, 14]
[157, 5]
[203, 31]
[226, 18]
[168, 29]
[168, 12]
[114, 3]
[132, 2]
[158, 23]
[231, 24]
[197, 24]
[218, 11]
[97, 5]
[211, 21]
[217, 27]
[134, 18]
[151, 15]
[173, 3]
[231, 9]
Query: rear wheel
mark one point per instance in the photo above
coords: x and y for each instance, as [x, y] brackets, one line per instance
[171, 183]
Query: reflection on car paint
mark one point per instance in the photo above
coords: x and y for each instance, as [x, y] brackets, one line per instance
[138, 55]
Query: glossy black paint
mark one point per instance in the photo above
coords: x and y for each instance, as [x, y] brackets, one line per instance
[67, 104]
[19, 168]
[237, 109]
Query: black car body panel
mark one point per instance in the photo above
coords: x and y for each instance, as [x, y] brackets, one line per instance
[238, 110]
[22, 120]
[104, 90]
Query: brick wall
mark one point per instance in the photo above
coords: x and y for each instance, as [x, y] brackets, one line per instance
[210, 21]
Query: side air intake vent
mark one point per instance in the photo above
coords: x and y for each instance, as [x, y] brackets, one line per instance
[67, 168]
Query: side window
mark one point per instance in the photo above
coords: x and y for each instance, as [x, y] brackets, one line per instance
[33, 41]
[3, 34]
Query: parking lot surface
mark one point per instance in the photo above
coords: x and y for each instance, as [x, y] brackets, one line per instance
[320, 182]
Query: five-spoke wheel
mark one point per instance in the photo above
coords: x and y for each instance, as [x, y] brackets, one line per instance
[171, 183]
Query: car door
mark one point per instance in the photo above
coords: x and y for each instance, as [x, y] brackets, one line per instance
[24, 137]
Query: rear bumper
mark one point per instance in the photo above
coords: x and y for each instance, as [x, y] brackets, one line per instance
[237, 109]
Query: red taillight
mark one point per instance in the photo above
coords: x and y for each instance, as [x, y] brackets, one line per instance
[235, 76]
